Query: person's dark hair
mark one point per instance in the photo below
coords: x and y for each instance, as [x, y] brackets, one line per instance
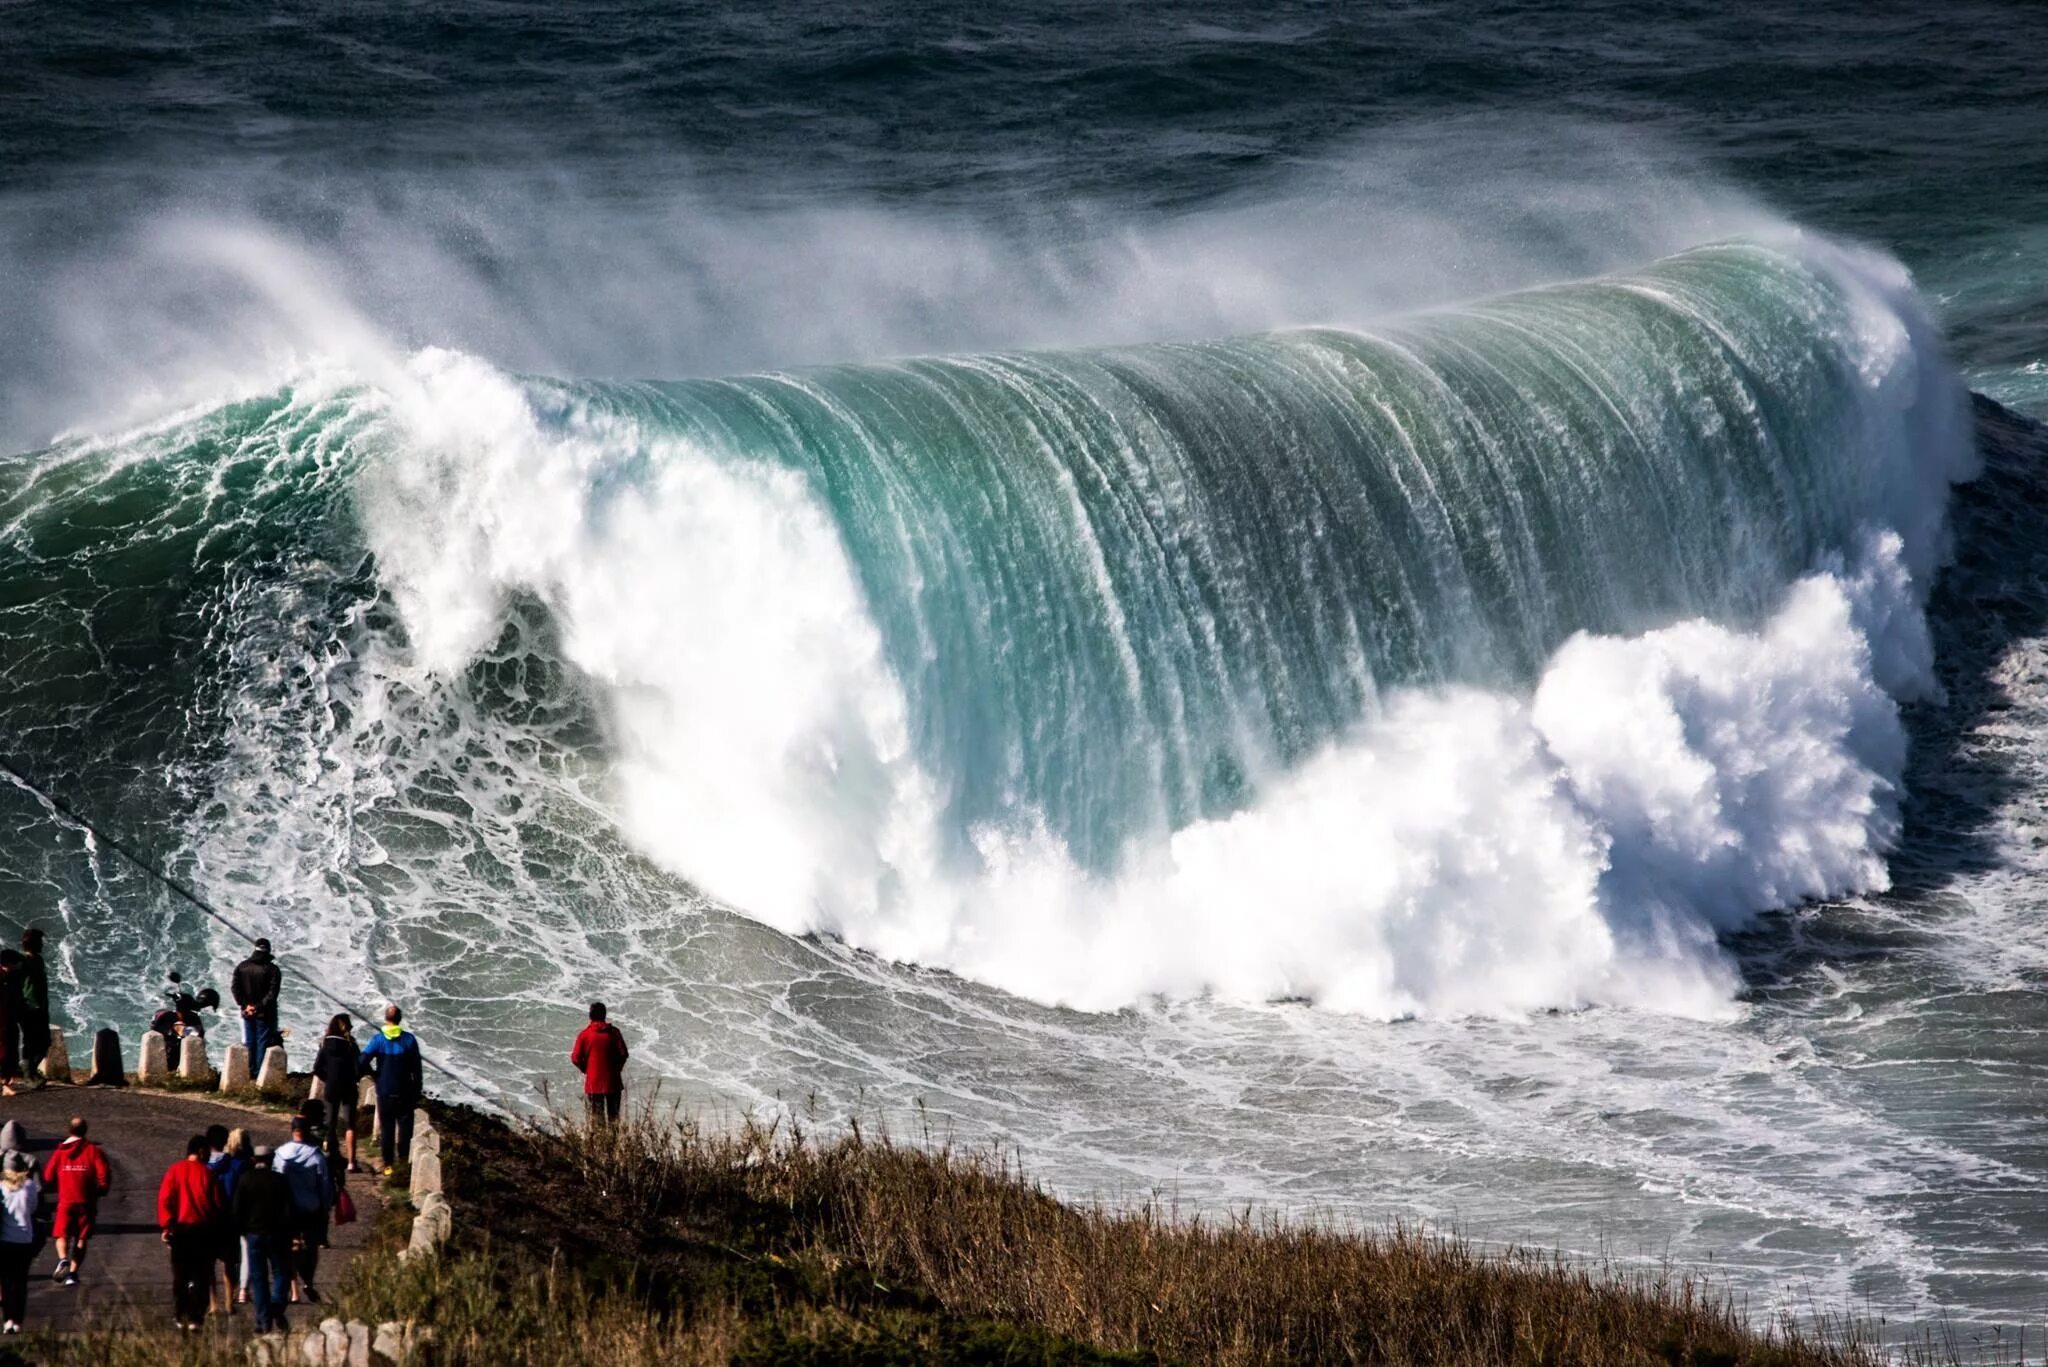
[263, 945]
[301, 1125]
[78, 1126]
[32, 939]
[216, 1136]
[392, 1015]
[597, 1011]
[340, 1025]
[197, 1147]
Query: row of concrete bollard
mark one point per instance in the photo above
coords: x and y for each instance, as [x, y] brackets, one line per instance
[351, 1343]
[194, 1065]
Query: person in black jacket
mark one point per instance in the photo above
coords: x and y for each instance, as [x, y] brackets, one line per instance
[340, 1072]
[35, 1007]
[256, 985]
[265, 1218]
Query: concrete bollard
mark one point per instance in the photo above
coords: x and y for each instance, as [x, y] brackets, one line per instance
[430, 1228]
[366, 1092]
[426, 1171]
[316, 1090]
[234, 1069]
[393, 1343]
[193, 1064]
[57, 1063]
[107, 1070]
[275, 1076]
[155, 1064]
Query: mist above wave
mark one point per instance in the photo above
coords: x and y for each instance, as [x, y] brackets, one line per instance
[137, 290]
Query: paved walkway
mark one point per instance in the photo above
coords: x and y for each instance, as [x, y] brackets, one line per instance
[127, 1269]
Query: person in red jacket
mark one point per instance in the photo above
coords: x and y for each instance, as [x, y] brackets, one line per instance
[600, 1055]
[191, 1210]
[79, 1174]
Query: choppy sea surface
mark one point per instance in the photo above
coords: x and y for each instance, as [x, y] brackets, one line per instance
[1392, 616]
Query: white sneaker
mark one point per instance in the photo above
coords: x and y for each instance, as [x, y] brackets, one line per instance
[11, 1327]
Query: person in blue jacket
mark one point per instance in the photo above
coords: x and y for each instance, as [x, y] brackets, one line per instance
[393, 1055]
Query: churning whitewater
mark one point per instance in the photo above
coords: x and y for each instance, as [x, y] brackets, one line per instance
[1495, 659]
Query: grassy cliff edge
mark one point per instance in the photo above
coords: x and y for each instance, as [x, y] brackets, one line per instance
[659, 1241]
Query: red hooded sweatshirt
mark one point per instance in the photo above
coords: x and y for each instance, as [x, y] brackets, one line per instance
[190, 1196]
[600, 1052]
[79, 1172]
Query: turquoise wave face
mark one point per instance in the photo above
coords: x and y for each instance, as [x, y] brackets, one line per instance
[1124, 587]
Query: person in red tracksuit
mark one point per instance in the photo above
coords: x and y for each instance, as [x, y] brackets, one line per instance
[79, 1174]
[600, 1055]
[191, 1211]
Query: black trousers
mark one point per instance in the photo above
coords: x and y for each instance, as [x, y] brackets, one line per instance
[35, 1044]
[311, 1229]
[193, 1249]
[14, 1261]
[394, 1130]
[604, 1106]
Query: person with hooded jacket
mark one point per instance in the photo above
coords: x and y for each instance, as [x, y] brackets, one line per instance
[393, 1054]
[78, 1169]
[255, 987]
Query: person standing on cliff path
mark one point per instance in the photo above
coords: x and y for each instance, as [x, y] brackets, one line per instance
[306, 1176]
[190, 1211]
[35, 1008]
[78, 1169]
[393, 1054]
[600, 1055]
[268, 1222]
[257, 982]
[339, 1067]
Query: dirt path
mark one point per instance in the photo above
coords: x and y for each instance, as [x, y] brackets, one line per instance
[127, 1271]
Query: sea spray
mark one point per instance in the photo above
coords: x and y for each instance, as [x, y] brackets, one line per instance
[1208, 668]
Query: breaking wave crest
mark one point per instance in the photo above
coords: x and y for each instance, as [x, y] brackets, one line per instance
[1492, 660]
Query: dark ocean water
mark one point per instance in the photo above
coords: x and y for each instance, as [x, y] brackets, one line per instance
[378, 546]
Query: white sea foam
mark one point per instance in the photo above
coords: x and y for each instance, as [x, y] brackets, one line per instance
[1460, 851]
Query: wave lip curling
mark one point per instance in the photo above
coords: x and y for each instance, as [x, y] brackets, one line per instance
[1493, 660]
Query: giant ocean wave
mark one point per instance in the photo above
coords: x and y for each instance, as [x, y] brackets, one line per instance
[1494, 659]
